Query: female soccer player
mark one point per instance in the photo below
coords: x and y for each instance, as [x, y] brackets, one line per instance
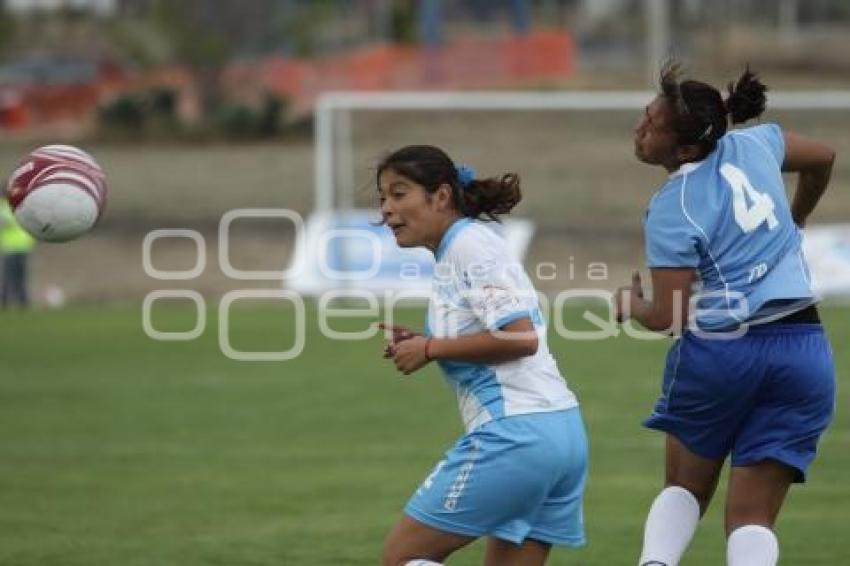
[517, 475]
[752, 375]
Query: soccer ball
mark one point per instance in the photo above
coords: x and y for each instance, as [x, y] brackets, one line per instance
[57, 193]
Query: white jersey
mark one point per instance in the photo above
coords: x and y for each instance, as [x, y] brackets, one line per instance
[479, 286]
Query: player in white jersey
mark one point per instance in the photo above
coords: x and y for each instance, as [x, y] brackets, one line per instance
[517, 475]
[752, 376]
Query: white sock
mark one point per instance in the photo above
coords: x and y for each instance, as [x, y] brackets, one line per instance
[752, 545]
[421, 563]
[670, 525]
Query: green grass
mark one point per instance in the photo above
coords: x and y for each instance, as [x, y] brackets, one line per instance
[116, 449]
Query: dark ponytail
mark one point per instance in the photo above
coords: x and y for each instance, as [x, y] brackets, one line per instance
[430, 166]
[701, 116]
[746, 98]
[490, 197]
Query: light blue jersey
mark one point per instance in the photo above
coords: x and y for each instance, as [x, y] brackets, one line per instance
[520, 469]
[478, 287]
[728, 217]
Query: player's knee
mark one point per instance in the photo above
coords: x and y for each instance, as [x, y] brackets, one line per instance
[396, 555]
[741, 514]
[702, 494]
[390, 557]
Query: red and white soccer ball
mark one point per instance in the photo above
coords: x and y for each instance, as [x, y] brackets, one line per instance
[57, 193]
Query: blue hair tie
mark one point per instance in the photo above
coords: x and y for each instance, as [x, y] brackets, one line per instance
[465, 174]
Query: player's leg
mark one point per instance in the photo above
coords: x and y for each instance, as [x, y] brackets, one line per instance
[687, 470]
[409, 541]
[675, 513]
[23, 280]
[778, 440]
[530, 553]
[5, 284]
[463, 498]
[13, 283]
[690, 479]
[496, 481]
[706, 393]
[559, 519]
[19, 274]
[756, 494]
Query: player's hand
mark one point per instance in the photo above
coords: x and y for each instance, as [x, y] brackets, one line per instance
[624, 296]
[399, 334]
[411, 354]
[389, 350]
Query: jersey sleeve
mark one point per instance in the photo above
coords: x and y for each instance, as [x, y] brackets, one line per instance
[770, 136]
[672, 236]
[491, 284]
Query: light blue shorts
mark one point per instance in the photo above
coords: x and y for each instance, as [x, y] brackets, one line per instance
[512, 478]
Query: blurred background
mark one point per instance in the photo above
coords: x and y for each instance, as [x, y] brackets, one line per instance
[201, 106]
[116, 448]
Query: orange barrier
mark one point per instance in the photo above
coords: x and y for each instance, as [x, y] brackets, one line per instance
[465, 63]
[461, 64]
[13, 113]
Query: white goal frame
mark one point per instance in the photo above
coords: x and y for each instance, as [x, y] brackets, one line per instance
[333, 160]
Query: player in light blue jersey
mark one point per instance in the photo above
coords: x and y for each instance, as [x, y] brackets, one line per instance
[751, 377]
[517, 475]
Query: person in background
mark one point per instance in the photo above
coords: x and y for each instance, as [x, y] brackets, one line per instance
[15, 247]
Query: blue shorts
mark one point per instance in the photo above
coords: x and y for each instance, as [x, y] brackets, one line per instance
[766, 395]
[512, 478]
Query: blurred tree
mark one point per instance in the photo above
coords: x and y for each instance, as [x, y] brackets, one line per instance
[271, 115]
[125, 114]
[308, 27]
[205, 34]
[138, 41]
[196, 32]
[403, 22]
[7, 28]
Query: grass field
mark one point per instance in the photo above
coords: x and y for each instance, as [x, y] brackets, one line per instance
[116, 449]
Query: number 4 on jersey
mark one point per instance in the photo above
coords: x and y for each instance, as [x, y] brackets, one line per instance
[748, 217]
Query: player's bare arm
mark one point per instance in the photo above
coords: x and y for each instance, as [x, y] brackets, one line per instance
[813, 161]
[515, 340]
[667, 311]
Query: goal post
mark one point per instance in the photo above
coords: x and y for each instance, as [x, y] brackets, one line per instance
[333, 163]
[584, 189]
